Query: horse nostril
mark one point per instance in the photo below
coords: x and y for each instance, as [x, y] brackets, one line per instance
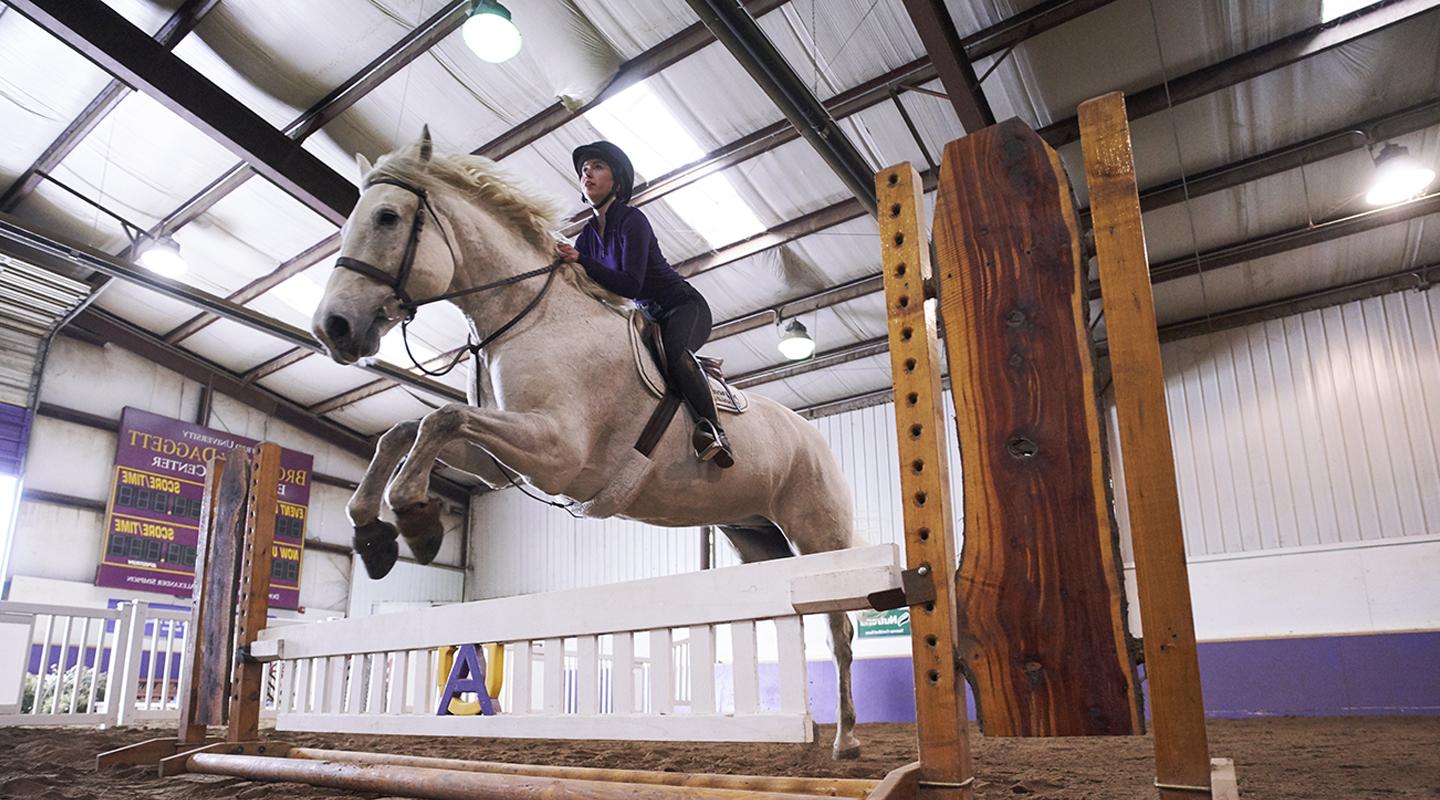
[337, 329]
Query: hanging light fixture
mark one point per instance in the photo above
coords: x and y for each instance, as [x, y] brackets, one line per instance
[795, 343]
[162, 257]
[490, 33]
[1398, 177]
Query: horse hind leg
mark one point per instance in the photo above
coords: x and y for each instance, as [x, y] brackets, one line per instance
[763, 542]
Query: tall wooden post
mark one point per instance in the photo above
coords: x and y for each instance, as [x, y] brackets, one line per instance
[945, 769]
[1172, 668]
[252, 599]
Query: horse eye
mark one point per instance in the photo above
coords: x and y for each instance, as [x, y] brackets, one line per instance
[387, 217]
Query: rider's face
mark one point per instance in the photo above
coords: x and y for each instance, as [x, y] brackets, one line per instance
[596, 180]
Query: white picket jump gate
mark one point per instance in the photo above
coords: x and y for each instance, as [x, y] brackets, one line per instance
[86, 657]
[377, 674]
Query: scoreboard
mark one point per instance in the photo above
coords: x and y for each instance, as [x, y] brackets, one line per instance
[153, 520]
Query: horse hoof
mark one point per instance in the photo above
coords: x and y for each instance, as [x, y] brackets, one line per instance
[848, 754]
[420, 525]
[375, 542]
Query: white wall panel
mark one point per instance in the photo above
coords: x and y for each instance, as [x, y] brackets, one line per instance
[53, 541]
[1315, 429]
[519, 546]
[406, 583]
[72, 459]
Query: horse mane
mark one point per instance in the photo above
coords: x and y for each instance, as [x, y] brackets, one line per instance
[483, 180]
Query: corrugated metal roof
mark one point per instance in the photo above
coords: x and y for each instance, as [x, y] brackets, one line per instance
[279, 59]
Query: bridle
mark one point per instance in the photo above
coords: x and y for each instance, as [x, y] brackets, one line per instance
[407, 305]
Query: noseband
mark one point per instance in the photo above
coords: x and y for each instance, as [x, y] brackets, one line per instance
[396, 280]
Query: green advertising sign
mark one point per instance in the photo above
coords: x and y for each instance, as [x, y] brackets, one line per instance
[895, 622]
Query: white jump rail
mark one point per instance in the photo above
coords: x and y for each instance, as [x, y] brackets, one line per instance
[377, 675]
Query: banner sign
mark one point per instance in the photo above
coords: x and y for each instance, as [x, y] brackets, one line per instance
[153, 521]
[895, 622]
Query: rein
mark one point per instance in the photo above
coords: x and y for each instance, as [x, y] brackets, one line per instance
[408, 305]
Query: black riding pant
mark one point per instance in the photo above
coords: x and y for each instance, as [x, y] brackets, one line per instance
[685, 326]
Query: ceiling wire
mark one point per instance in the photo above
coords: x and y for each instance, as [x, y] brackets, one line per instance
[405, 91]
[1180, 157]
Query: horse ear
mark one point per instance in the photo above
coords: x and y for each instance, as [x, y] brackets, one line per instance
[426, 146]
[364, 164]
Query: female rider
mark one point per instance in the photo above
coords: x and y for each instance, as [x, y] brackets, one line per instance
[618, 250]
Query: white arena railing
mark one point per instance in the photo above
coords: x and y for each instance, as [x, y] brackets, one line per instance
[565, 653]
[75, 660]
[634, 660]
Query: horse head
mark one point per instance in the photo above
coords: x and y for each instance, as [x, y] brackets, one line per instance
[395, 249]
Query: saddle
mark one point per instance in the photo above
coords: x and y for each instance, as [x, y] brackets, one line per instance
[649, 354]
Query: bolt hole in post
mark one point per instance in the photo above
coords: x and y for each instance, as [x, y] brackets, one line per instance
[920, 498]
[1022, 447]
[1015, 318]
[904, 301]
[912, 399]
[917, 466]
[894, 210]
[894, 178]
[924, 534]
[899, 239]
[900, 270]
[916, 430]
[906, 333]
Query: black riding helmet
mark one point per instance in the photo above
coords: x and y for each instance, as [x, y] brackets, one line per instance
[619, 163]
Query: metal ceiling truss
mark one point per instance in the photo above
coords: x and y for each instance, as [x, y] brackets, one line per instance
[259, 151]
[184, 20]
[135, 339]
[741, 35]
[102, 35]
[942, 41]
[18, 241]
[1414, 279]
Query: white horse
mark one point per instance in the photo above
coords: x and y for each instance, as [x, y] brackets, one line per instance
[560, 402]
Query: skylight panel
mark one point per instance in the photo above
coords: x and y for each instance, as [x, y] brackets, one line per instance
[301, 293]
[1330, 9]
[638, 121]
[714, 209]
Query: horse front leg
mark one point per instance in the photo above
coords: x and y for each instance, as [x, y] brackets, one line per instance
[374, 538]
[527, 443]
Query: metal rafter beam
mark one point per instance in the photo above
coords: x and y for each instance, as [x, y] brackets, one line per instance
[147, 345]
[99, 33]
[1416, 279]
[1273, 162]
[411, 46]
[177, 27]
[824, 360]
[742, 36]
[687, 42]
[1292, 239]
[784, 233]
[1253, 63]
[995, 39]
[308, 258]
[377, 386]
[942, 41]
[21, 242]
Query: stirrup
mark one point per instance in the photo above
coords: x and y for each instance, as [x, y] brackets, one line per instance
[711, 445]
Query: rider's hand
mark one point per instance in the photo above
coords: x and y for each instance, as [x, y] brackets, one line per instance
[567, 253]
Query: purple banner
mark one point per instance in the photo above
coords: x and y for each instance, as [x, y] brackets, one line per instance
[153, 521]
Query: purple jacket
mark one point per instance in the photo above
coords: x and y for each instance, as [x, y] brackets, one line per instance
[627, 259]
